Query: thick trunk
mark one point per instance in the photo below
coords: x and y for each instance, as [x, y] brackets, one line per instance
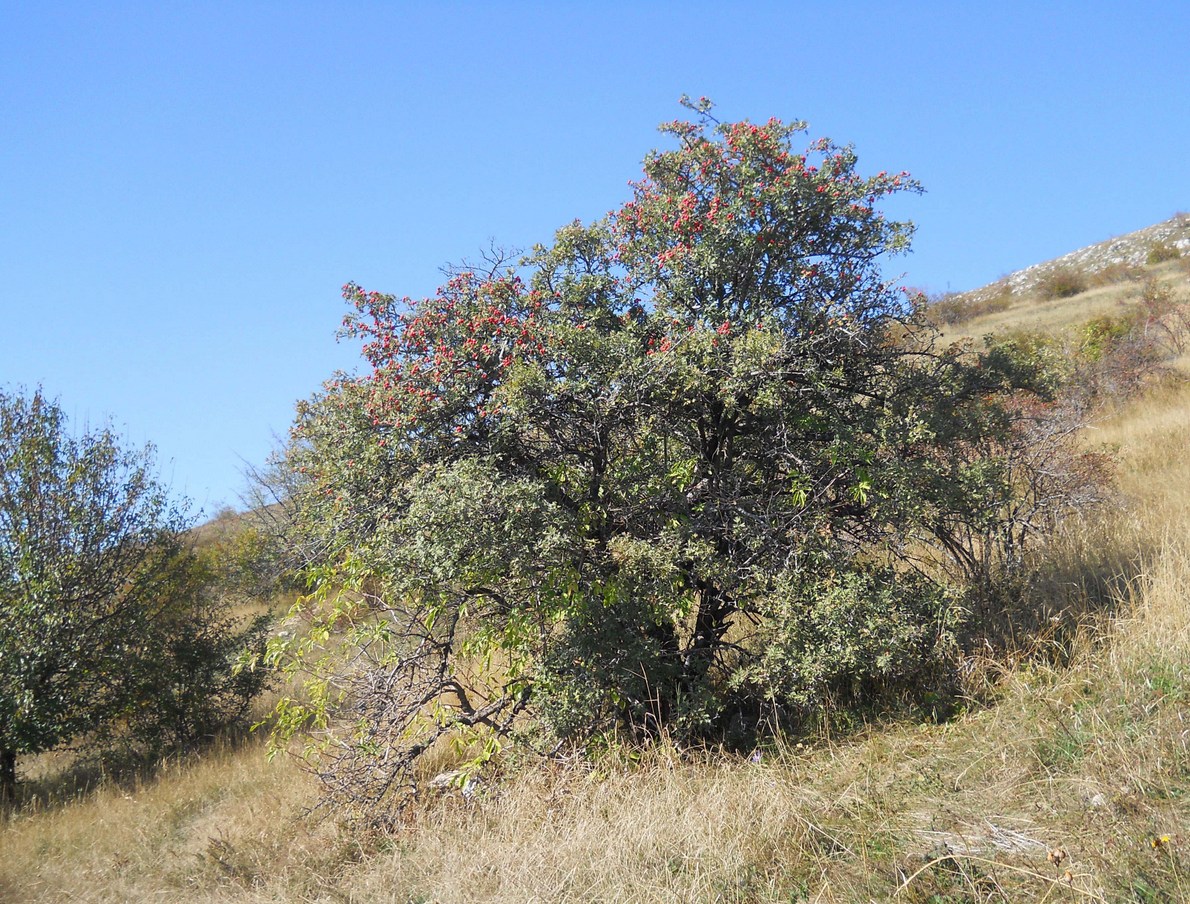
[710, 624]
[8, 775]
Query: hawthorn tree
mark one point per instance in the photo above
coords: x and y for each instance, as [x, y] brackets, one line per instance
[106, 616]
[675, 471]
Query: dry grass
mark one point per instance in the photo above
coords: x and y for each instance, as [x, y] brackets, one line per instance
[1061, 316]
[1073, 786]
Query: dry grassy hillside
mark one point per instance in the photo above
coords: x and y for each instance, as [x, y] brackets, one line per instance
[1111, 260]
[1071, 783]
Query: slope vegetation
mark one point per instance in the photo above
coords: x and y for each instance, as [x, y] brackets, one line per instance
[1066, 779]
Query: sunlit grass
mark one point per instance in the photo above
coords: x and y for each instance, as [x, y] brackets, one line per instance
[1061, 317]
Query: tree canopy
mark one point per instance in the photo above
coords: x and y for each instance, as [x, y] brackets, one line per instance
[693, 467]
[103, 612]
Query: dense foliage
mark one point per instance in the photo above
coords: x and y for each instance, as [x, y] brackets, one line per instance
[695, 467]
[106, 616]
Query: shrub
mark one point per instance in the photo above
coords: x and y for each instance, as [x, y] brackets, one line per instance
[953, 309]
[188, 686]
[949, 308]
[1100, 334]
[1062, 282]
[1160, 252]
[1114, 274]
[852, 638]
[1118, 354]
[1164, 317]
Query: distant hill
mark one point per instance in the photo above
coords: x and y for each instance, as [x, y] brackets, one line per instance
[1059, 295]
[1125, 251]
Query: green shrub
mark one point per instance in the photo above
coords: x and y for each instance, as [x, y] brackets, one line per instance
[1120, 353]
[852, 639]
[1027, 358]
[1099, 334]
[1160, 252]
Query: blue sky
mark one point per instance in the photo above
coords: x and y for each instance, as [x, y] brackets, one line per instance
[185, 186]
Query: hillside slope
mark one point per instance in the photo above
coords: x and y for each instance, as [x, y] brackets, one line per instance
[1131, 250]
[1068, 781]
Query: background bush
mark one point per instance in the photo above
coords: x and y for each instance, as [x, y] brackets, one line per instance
[1160, 252]
[107, 623]
[1062, 282]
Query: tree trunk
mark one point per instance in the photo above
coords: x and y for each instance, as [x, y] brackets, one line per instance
[710, 624]
[8, 775]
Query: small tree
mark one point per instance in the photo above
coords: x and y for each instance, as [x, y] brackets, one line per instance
[671, 472]
[98, 592]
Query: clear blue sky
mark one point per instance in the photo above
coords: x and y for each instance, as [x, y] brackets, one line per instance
[185, 186]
